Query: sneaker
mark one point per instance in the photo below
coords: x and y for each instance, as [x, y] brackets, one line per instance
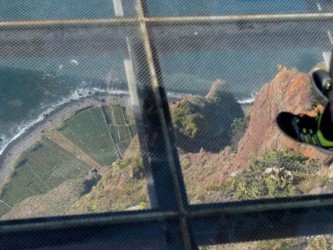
[305, 129]
[322, 82]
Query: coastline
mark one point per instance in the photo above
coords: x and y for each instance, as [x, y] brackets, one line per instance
[56, 116]
[32, 134]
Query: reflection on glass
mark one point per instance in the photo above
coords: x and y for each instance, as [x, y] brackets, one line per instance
[68, 134]
[229, 7]
[225, 89]
[61, 9]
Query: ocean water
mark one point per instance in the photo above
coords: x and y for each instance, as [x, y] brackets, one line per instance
[227, 7]
[28, 93]
[244, 71]
[61, 9]
[30, 87]
[64, 9]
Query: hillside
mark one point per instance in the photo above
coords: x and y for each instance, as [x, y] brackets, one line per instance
[84, 135]
[255, 159]
[290, 91]
[56, 201]
[205, 122]
[264, 163]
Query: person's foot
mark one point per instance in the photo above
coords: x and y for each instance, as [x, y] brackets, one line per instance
[322, 82]
[305, 129]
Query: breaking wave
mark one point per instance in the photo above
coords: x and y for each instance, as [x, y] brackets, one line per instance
[248, 100]
[75, 95]
[16, 132]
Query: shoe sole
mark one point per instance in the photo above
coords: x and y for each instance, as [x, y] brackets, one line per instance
[323, 150]
[319, 92]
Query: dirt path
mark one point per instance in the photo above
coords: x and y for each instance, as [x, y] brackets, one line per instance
[63, 142]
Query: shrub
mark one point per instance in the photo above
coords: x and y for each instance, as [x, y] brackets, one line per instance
[290, 243]
[238, 129]
[317, 243]
[275, 174]
[187, 119]
[205, 123]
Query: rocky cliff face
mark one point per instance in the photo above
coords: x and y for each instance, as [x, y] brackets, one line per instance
[289, 91]
[204, 171]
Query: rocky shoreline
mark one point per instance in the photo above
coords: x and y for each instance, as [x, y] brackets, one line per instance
[51, 120]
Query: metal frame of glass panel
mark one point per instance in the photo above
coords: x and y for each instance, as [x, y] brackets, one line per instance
[171, 223]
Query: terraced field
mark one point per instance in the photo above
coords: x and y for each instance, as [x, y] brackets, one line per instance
[40, 169]
[115, 116]
[93, 137]
[88, 131]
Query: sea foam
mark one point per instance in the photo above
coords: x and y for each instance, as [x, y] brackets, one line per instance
[75, 95]
[248, 100]
[81, 93]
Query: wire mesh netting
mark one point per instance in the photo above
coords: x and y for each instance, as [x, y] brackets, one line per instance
[61, 9]
[86, 128]
[234, 7]
[306, 242]
[211, 73]
[66, 122]
[226, 84]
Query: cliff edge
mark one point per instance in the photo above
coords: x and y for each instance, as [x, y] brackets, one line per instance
[290, 90]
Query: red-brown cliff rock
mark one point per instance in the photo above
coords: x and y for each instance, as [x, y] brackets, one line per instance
[289, 91]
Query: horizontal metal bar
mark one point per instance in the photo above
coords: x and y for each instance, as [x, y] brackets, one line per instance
[179, 19]
[238, 207]
[132, 235]
[220, 227]
[253, 226]
[78, 22]
[230, 18]
[306, 202]
[84, 220]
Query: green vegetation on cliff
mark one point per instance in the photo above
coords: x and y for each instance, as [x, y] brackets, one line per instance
[187, 117]
[238, 129]
[205, 122]
[121, 187]
[276, 174]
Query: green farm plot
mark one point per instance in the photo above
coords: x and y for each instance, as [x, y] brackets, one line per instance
[102, 133]
[89, 131]
[3, 208]
[132, 129]
[115, 133]
[108, 114]
[117, 115]
[55, 161]
[122, 133]
[122, 146]
[40, 169]
[114, 115]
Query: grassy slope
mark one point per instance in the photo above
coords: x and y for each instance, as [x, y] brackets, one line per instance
[56, 201]
[40, 169]
[46, 165]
